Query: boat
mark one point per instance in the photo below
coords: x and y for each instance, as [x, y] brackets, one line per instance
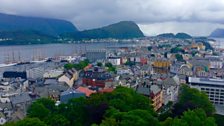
[7, 65]
[39, 61]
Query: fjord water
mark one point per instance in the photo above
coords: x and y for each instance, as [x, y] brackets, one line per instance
[26, 53]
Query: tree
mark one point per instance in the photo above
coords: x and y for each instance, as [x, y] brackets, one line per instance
[130, 63]
[108, 65]
[69, 66]
[195, 117]
[131, 118]
[30, 122]
[38, 110]
[191, 99]
[219, 119]
[179, 57]
[177, 50]
[57, 120]
[99, 64]
[79, 66]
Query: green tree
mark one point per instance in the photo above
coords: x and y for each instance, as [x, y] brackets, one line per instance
[131, 118]
[195, 117]
[57, 120]
[38, 110]
[69, 66]
[30, 122]
[108, 65]
[191, 98]
[179, 57]
[219, 119]
[99, 64]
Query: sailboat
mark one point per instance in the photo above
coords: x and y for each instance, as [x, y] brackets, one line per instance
[8, 62]
[39, 58]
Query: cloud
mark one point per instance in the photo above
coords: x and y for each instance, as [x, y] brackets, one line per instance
[87, 14]
[193, 28]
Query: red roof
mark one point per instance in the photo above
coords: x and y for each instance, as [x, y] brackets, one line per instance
[87, 91]
[107, 90]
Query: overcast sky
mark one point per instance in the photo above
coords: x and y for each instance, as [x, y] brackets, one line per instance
[196, 17]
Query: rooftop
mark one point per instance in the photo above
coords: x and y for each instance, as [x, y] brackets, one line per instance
[206, 81]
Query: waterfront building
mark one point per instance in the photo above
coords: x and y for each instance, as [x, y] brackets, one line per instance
[95, 55]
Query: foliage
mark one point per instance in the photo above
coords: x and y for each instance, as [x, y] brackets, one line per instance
[122, 107]
[177, 50]
[191, 99]
[111, 68]
[219, 119]
[130, 63]
[27, 122]
[131, 118]
[108, 65]
[195, 117]
[122, 104]
[179, 57]
[99, 64]
[81, 65]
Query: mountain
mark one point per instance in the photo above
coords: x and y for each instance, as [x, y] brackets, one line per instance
[25, 37]
[183, 36]
[218, 33]
[166, 35]
[178, 35]
[53, 27]
[120, 30]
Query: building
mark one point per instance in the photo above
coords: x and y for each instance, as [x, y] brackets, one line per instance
[35, 73]
[70, 94]
[170, 89]
[14, 74]
[114, 60]
[96, 78]
[85, 90]
[154, 92]
[52, 73]
[161, 64]
[214, 88]
[95, 55]
[69, 77]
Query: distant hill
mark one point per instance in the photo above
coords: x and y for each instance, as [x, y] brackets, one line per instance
[25, 37]
[166, 35]
[21, 30]
[218, 33]
[178, 35]
[53, 27]
[120, 30]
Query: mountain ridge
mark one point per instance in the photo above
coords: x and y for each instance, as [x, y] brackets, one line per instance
[217, 33]
[120, 30]
[179, 35]
[53, 27]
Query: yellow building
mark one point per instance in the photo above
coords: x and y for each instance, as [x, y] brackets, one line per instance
[161, 64]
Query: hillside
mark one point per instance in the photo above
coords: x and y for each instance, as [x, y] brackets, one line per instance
[178, 35]
[218, 33]
[121, 30]
[25, 37]
[53, 27]
[166, 35]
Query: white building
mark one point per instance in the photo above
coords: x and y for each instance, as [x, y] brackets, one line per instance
[216, 64]
[214, 88]
[53, 73]
[35, 73]
[114, 60]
